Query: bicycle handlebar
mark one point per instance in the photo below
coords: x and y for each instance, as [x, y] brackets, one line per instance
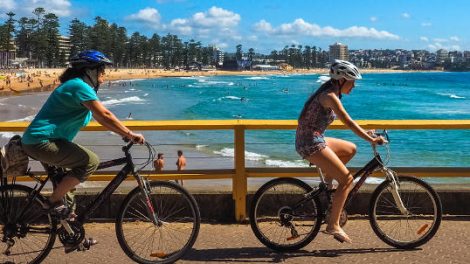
[383, 134]
[129, 144]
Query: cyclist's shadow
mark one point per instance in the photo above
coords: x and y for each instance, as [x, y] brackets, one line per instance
[262, 254]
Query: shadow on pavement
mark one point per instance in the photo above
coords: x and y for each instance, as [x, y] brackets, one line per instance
[261, 254]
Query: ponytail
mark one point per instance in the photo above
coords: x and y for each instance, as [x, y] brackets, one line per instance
[309, 101]
[71, 73]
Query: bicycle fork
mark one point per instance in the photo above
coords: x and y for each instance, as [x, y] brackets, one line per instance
[145, 190]
[391, 175]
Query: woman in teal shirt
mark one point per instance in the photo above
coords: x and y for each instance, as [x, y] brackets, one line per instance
[69, 108]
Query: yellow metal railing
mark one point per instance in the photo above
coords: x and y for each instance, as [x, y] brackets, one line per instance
[240, 174]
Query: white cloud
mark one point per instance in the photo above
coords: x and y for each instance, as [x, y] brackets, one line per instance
[437, 46]
[211, 24]
[253, 38]
[181, 25]
[373, 19]
[426, 24]
[221, 45]
[7, 5]
[216, 17]
[405, 15]
[62, 8]
[294, 42]
[147, 15]
[204, 24]
[424, 39]
[301, 28]
[263, 26]
[440, 40]
[443, 43]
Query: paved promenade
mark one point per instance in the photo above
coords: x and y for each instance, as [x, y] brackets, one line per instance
[236, 244]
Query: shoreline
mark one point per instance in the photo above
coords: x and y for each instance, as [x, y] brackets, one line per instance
[43, 80]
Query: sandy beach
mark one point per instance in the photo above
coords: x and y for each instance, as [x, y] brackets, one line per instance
[14, 82]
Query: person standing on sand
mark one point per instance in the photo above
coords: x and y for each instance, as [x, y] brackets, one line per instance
[331, 154]
[180, 163]
[159, 163]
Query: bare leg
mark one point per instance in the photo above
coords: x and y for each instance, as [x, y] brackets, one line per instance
[329, 162]
[345, 150]
[67, 184]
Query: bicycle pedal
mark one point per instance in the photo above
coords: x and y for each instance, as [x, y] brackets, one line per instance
[88, 243]
[71, 248]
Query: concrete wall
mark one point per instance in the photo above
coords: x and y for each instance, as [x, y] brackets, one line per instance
[219, 207]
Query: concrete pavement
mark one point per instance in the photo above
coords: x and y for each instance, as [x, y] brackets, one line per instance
[235, 243]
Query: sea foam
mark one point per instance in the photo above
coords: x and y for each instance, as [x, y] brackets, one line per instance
[453, 96]
[230, 97]
[323, 78]
[285, 163]
[28, 118]
[257, 78]
[230, 152]
[132, 99]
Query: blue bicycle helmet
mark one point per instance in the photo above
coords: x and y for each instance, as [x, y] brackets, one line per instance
[89, 59]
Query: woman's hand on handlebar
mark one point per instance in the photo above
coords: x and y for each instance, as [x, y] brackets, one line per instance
[378, 140]
[136, 138]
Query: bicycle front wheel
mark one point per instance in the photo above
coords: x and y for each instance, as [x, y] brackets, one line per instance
[27, 233]
[409, 226]
[281, 216]
[175, 232]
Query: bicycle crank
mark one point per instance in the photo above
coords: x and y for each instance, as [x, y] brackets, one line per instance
[71, 238]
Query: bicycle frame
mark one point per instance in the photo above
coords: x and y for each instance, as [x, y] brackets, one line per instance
[129, 168]
[111, 187]
[363, 174]
[375, 163]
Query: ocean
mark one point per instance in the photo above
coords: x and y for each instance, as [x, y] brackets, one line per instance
[423, 95]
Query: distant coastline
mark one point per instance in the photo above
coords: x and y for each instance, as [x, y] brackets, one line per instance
[41, 80]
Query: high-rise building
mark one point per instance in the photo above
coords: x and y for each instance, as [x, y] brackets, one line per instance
[64, 46]
[6, 56]
[338, 51]
[466, 55]
[442, 55]
[218, 57]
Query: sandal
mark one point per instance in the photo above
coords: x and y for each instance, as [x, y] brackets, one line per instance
[341, 236]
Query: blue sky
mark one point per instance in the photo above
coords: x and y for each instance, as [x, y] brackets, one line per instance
[270, 24]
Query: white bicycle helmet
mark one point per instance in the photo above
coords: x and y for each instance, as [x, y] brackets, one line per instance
[344, 69]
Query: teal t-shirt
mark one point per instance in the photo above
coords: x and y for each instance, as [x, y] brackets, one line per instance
[63, 114]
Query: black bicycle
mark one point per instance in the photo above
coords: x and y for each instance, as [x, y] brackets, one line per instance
[158, 221]
[404, 211]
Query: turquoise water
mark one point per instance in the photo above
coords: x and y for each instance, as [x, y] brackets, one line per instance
[377, 96]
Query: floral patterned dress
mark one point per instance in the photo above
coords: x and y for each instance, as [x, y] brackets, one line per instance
[313, 122]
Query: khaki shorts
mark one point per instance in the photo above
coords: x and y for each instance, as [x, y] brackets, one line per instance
[82, 162]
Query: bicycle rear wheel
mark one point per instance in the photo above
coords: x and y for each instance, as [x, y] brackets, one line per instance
[24, 237]
[412, 228]
[282, 218]
[172, 237]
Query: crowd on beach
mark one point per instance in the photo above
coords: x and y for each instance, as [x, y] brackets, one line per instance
[21, 80]
[28, 79]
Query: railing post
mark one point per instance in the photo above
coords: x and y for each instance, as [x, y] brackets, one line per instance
[239, 184]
